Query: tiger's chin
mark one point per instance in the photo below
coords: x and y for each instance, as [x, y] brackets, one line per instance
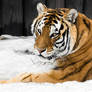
[49, 56]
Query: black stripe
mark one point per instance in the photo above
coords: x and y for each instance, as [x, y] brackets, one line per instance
[58, 18]
[52, 11]
[62, 46]
[63, 38]
[61, 27]
[53, 16]
[87, 24]
[39, 22]
[63, 10]
[60, 41]
[70, 64]
[64, 66]
[60, 15]
[55, 21]
[63, 35]
[65, 23]
[26, 77]
[53, 25]
[56, 46]
[75, 62]
[45, 18]
[68, 46]
[35, 24]
[57, 68]
[85, 77]
[78, 40]
[66, 41]
[82, 52]
[76, 71]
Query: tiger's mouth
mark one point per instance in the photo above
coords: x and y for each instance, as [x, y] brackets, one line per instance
[48, 57]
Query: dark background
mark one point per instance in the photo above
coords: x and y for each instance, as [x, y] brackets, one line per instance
[17, 15]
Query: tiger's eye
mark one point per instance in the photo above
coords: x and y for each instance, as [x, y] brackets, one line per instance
[61, 28]
[53, 35]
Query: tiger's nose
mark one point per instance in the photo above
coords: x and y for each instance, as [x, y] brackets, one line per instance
[41, 50]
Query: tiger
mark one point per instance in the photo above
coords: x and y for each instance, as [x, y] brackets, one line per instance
[64, 36]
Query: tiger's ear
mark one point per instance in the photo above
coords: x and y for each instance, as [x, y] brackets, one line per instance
[72, 15]
[41, 8]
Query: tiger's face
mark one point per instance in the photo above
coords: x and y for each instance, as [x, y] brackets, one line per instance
[54, 31]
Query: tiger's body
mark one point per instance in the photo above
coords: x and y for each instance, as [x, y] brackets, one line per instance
[65, 36]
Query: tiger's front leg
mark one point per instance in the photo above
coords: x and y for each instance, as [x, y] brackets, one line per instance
[28, 77]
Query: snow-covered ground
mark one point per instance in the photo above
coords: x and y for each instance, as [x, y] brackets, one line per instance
[16, 57]
[47, 87]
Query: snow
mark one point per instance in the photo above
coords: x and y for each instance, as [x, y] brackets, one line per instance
[47, 87]
[16, 57]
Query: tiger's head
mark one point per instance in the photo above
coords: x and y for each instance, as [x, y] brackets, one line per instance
[54, 31]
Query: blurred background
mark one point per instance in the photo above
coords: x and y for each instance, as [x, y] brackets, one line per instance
[16, 16]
